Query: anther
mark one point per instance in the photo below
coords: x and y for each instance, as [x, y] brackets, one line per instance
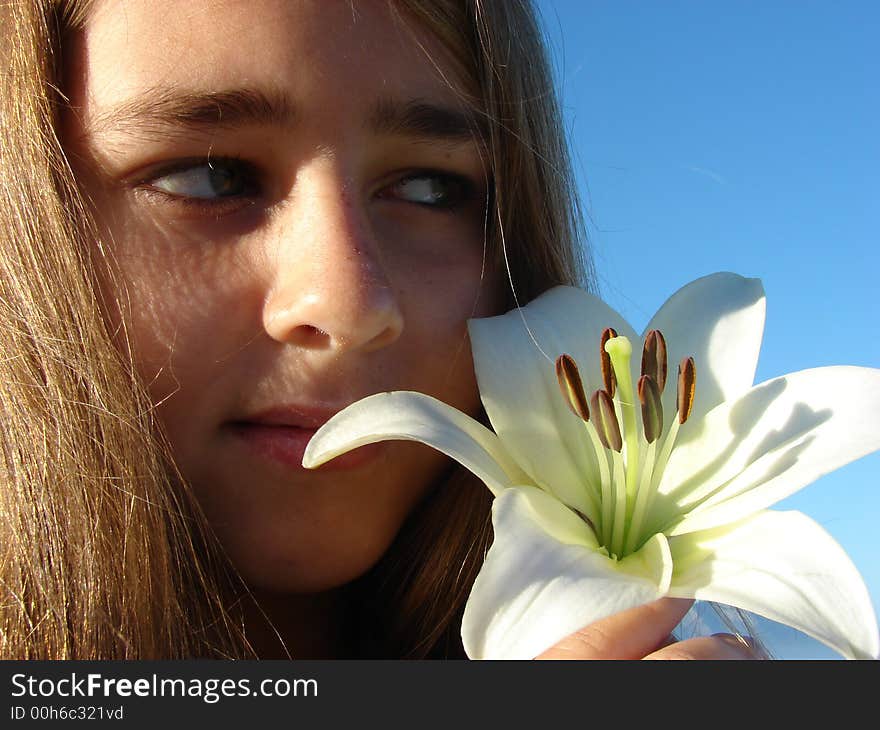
[654, 358]
[607, 427]
[687, 382]
[571, 386]
[608, 378]
[652, 407]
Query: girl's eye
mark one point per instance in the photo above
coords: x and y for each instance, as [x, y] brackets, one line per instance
[207, 180]
[436, 190]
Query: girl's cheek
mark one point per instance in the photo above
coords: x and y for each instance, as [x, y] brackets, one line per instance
[182, 311]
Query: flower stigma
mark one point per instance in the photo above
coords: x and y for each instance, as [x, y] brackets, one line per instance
[630, 458]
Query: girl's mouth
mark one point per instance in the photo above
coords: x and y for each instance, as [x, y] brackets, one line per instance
[282, 432]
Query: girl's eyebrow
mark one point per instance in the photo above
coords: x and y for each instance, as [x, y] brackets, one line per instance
[418, 118]
[160, 108]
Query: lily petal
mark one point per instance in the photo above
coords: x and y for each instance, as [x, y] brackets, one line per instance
[410, 416]
[774, 440]
[544, 578]
[719, 320]
[520, 392]
[783, 566]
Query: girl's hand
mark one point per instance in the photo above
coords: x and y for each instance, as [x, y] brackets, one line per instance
[644, 633]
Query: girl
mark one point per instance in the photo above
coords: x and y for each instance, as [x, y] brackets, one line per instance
[222, 222]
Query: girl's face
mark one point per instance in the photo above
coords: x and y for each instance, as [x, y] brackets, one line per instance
[296, 203]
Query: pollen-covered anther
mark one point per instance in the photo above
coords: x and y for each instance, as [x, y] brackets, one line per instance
[572, 387]
[605, 419]
[608, 378]
[652, 407]
[687, 382]
[654, 358]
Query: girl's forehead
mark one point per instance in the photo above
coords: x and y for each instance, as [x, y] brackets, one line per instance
[303, 46]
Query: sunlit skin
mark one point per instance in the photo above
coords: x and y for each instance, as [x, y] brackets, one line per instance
[318, 259]
[290, 248]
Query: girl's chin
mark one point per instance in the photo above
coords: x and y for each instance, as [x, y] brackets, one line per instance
[301, 583]
[302, 534]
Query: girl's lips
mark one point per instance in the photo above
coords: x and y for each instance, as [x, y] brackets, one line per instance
[287, 444]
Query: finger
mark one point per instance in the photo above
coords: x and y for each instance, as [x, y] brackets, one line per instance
[718, 646]
[629, 634]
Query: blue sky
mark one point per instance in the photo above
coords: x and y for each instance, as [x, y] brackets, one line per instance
[740, 137]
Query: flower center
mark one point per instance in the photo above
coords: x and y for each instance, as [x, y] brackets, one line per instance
[629, 459]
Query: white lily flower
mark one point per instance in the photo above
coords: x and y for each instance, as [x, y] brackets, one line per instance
[646, 489]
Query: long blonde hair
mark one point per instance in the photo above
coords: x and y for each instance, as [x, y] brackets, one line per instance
[101, 556]
[104, 552]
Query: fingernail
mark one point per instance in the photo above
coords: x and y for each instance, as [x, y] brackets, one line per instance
[745, 643]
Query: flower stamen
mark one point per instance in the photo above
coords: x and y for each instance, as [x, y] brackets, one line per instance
[687, 382]
[607, 427]
[627, 487]
[572, 387]
[652, 424]
[654, 358]
[608, 378]
[684, 403]
[652, 408]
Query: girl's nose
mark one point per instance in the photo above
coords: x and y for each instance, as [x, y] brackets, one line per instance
[330, 290]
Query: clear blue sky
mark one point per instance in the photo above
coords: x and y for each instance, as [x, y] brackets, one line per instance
[742, 137]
